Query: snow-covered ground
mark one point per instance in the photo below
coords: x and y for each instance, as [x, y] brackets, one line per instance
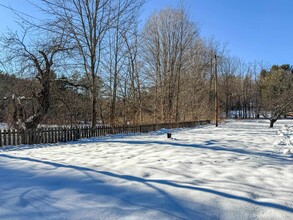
[235, 171]
[3, 126]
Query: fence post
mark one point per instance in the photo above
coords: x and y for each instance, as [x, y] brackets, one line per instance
[4, 137]
[40, 136]
[29, 136]
[19, 137]
[50, 135]
[45, 136]
[81, 132]
[1, 145]
[65, 134]
[9, 137]
[78, 133]
[33, 133]
[53, 135]
[14, 142]
[41, 139]
[58, 134]
[71, 134]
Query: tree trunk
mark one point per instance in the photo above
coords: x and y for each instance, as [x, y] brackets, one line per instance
[272, 121]
[94, 100]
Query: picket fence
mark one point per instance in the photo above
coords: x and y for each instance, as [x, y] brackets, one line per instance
[11, 137]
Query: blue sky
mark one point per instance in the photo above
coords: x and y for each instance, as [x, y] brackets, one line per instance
[255, 30]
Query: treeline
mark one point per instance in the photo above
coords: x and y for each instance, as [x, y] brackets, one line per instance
[92, 62]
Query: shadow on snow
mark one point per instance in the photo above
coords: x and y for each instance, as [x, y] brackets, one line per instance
[148, 182]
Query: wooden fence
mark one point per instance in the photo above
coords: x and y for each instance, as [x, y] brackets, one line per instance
[64, 134]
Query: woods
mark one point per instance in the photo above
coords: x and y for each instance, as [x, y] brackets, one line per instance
[95, 62]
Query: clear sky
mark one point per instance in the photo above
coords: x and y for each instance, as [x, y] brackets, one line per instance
[255, 30]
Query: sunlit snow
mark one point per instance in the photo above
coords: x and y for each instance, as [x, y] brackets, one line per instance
[235, 171]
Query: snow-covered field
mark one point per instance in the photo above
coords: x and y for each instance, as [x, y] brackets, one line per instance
[235, 171]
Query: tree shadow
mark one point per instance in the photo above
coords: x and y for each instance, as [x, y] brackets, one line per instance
[208, 145]
[174, 203]
[150, 198]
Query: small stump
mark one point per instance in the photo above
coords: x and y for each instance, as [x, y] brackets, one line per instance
[169, 135]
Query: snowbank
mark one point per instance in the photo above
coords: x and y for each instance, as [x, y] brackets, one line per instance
[284, 143]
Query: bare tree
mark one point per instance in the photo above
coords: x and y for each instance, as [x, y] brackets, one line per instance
[37, 57]
[230, 83]
[168, 36]
[87, 22]
[133, 65]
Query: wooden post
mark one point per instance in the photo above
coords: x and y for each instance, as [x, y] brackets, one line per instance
[29, 136]
[1, 145]
[52, 135]
[14, 137]
[4, 138]
[41, 133]
[55, 135]
[216, 93]
[19, 137]
[71, 134]
[9, 137]
[46, 133]
[66, 134]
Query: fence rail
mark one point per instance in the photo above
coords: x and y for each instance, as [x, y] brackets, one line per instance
[63, 134]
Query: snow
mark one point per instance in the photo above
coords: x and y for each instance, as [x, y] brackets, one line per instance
[285, 140]
[235, 171]
[3, 126]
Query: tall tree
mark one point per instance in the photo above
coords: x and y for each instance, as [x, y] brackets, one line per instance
[168, 37]
[87, 22]
[227, 81]
[135, 77]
